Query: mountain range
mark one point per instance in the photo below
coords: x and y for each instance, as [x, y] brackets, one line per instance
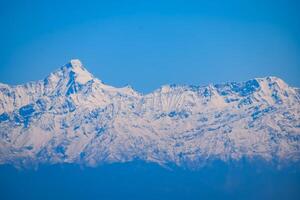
[73, 117]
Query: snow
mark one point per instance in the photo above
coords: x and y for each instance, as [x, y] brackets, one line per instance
[82, 75]
[75, 118]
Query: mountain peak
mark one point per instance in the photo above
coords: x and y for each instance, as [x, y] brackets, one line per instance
[74, 63]
[77, 71]
[272, 82]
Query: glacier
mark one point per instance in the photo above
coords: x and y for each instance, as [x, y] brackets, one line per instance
[73, 117]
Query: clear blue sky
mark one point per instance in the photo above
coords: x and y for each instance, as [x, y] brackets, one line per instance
[150, 43]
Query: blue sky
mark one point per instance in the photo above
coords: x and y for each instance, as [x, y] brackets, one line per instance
[150, 43]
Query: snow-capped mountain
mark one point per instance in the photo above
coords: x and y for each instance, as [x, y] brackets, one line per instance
[72, 117]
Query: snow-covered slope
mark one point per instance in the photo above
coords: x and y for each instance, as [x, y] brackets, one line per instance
[72, 117]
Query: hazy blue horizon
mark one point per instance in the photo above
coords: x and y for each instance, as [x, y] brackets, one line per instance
[149, 44]
[138, 180]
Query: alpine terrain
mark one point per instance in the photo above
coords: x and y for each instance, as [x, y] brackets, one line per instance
[73, 117]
